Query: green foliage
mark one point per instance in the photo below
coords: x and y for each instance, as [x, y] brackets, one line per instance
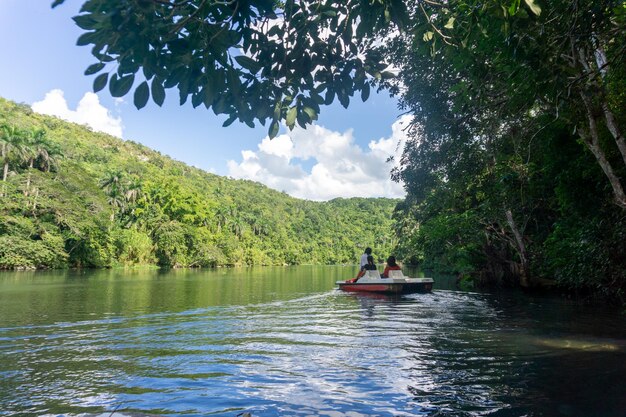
[515, 136]
[17, 252]
[132, 247]
[253, 61]
[111, 202]
[453, 242]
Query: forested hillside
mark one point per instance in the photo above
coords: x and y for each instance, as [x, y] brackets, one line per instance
[71, 197]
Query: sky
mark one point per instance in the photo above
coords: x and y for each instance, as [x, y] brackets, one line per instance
[343, 154]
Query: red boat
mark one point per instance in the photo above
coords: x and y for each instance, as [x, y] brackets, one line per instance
[397, 283]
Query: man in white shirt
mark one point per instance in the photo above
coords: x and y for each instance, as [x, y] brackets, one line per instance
[368, 252]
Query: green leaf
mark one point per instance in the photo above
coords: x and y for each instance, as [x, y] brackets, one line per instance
[303, 119]
[344, 100]
[230, 120]
[450, 24]
[208, 94]
[277, 110]
[290, 120]
[86, 38]
[534, 7]
[119, 86]
[84, 21]
[92, 69]
[248, 63]
[514, 7]
[310, 112]
[329, 96]
[57, 3]
[196, 99]
[365, 92]
[273, 130]
[158, 92]
[100, 82]
[142, 93]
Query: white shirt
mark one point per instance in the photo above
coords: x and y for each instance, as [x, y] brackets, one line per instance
[364, 260]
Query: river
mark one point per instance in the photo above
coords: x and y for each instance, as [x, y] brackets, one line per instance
[284, 341]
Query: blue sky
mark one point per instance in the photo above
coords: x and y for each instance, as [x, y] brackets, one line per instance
[342, 156]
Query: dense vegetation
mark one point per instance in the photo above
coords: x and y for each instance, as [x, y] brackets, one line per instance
[71, 197]
[516, 171]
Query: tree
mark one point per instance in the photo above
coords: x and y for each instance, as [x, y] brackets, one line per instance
[114, 186]
[112, 182]
[36, 146]
[11, 140]
[496, 62]
[48, 155]
[486, 104]
[253, 60]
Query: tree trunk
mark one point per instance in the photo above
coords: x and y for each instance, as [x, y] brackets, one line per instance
[5, 159]
[5, 172]
[592, 140]
[524, 279]
[592, 137]
[35, 202]
[30, 167]
[611, 123]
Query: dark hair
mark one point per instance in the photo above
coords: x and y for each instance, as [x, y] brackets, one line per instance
[368, 251]
[370, 259]
[391, 261]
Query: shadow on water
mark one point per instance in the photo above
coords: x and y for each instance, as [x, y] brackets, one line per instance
[283, 341]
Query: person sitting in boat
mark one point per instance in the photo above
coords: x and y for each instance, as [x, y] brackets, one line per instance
[369, 266]
[368, 252]
[391, 266]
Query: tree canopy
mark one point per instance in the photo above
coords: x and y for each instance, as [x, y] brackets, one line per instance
[517, 117]
[253, 60]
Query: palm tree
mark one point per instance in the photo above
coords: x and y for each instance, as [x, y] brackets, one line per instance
[112, 182]
[117, 200]
[12, 146]
[48, 155]
[35, 145]
[132, 190]
[113, 185]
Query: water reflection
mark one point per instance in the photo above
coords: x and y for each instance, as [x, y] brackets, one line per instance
[283, 341]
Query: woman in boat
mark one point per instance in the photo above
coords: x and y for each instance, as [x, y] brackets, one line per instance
[391, 266]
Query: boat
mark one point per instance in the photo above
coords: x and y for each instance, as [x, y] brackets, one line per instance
[396, 283]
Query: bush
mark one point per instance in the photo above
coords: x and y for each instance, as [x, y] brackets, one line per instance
[133, 247]
[17, 252]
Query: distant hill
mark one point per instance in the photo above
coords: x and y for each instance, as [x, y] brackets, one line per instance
[78, 198]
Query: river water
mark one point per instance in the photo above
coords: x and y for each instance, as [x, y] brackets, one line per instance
[284, 341]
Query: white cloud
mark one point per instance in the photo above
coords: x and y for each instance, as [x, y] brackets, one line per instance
[340, 168]
[89, 111]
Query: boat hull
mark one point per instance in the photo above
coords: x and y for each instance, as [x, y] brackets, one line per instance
[387, 288]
